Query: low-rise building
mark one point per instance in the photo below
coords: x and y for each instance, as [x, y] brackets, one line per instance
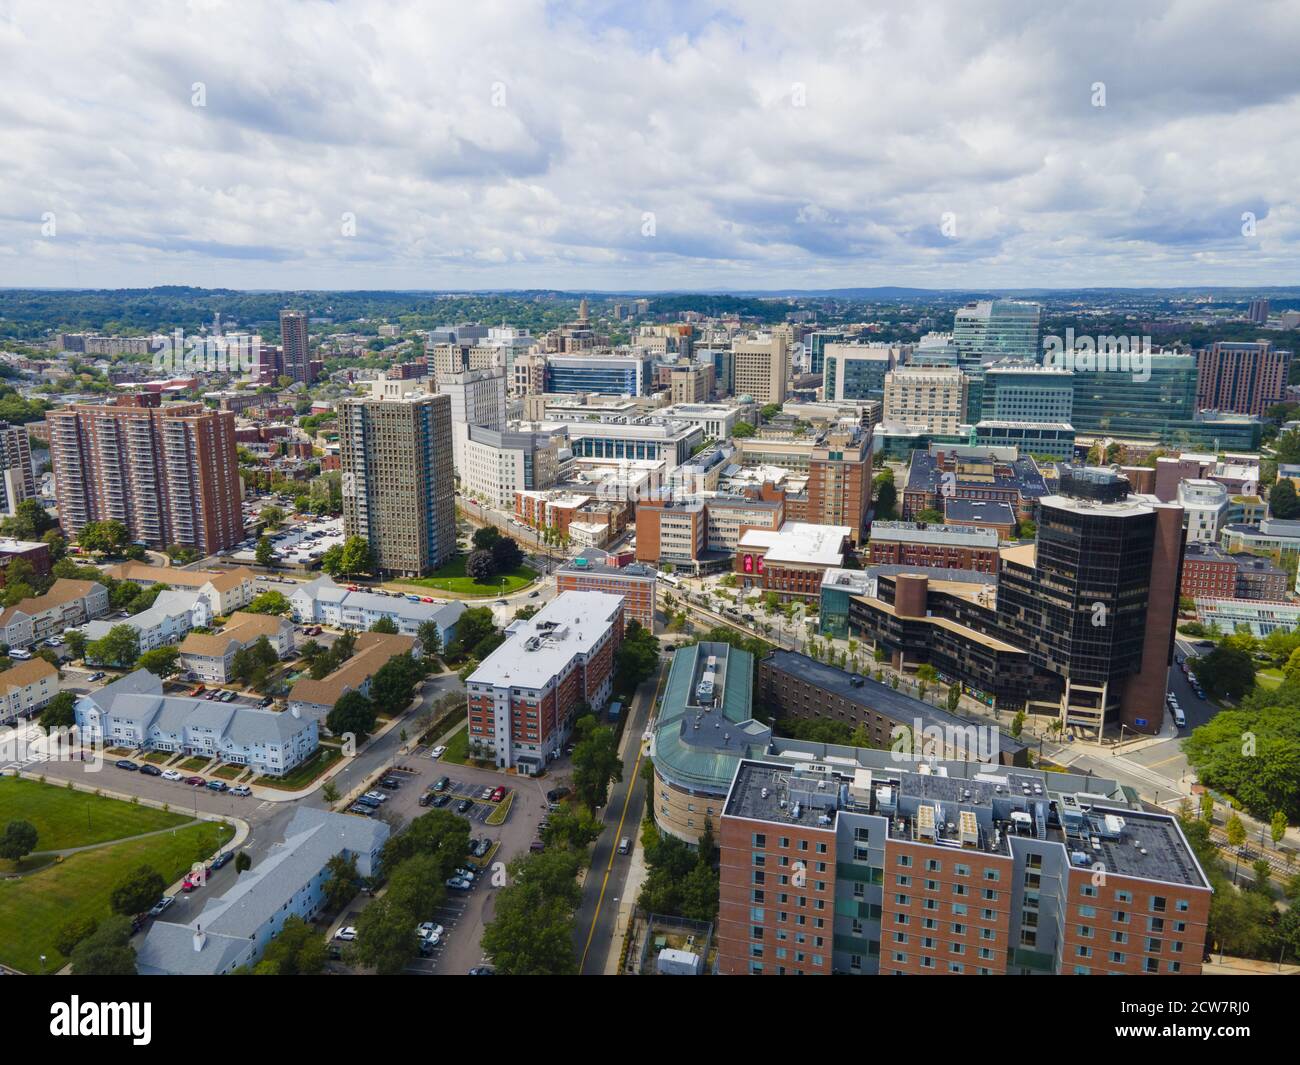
[172, 615]
[791, 561]
[68, 603]
[928, 546]
[596, 571]
[134, 713]
[1261, 617]
[226, 590]
[232, 930]
[210, 656]
[25, 687]
[34, 552]
[524, 697]
[314, 699]
[322, 602]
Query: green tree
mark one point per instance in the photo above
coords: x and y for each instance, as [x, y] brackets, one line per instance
[268, 603]
[137, 891]
[485, 537]
[1226, 672]
[59, 712]
[352, 713]
[1277, 826]
[386, 937]
[1282, 500]
[17, 840]
[106, 537]
[480, 566]
[386, 625]
[161, 661]
[532, 929]
[265, 553]
[342, 883]
[430, 637]
[356, 556]
[119, 647]
[107, 951]
[75, 642]
[742, 430]
[297, 950]
[595, 764]
[636, 658]
[72, 932]
[31, 521]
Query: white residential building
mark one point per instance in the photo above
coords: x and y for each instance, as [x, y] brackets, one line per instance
[1205, 509]
[67, 603]
[172, 615]
[322, 602]
[25, 687]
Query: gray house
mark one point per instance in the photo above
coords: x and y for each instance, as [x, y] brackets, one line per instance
[234, 929]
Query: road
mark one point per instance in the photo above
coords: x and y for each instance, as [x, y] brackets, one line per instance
[598, 914]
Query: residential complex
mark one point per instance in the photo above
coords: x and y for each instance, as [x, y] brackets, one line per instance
[17, 477]
[1241, 378]
[935, 399]
[168, 473]
[595, 571]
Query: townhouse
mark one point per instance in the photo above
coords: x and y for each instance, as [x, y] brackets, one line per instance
[210, 656]
[68, 603]
[25, 687]
[314, 699]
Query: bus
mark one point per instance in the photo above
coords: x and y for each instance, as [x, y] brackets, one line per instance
[669, 579]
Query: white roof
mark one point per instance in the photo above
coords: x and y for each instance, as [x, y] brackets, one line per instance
[797, 541]
[539, 648]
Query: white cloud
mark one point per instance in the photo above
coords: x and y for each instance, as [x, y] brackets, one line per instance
[510, 143]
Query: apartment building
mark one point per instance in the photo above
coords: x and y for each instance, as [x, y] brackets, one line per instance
[294, 345]
[935, 398]
[864, 863]
[524, 697]
[397, 460]
[595, 571]
[171, 616]
[500, 464]
[925, 546]
[68, 603]
[1241, 377]
[134, 712]
[760, 368]
[169, 473]
[211, 656]
[314, 699]
[17, 477]
[25, 687]
[225, 590]
[322, 602]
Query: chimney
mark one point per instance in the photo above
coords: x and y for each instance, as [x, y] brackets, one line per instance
[200, 937]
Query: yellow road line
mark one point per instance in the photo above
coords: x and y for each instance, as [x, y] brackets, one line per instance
[627, 801]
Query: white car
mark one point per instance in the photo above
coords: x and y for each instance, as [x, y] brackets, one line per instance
[431, 933]
[347, 934]
[170, 774]
[437, 753]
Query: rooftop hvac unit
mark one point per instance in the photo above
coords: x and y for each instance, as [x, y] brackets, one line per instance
[1114, 826]
[969, 829]
[925, 822]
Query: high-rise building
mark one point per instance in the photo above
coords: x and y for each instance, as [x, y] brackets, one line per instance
[692, 383]
[293, 342]
[609, 374]
[1258, 312]
[478, 397]
[1241, 377]
[857, 371]
[1023, 393]
[933, 397]
[761, 368]
[398, 491]
[169, 473]
[17, 478]
[992, 330]
[816, 344]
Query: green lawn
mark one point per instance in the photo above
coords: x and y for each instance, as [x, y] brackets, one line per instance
[66, 818]
[302, 775]
[457, 748]
[1269, 678]
[34, 908]
[452, 578]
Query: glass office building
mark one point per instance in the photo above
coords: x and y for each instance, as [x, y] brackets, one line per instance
[609, 375]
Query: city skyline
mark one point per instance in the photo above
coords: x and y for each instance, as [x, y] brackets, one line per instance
[593, 147]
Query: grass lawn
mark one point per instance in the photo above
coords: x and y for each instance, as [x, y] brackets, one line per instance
[230, 772]
[1269, 678]
[452, 578]
[502, 811]
[302, 775]
[457, 748]
[193, 765]
[158, 757]
[34, 908]
[66, 818]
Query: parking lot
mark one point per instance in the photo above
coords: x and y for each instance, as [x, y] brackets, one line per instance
[299, 544]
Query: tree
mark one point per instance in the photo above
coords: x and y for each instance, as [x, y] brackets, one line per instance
[573, 826]
[636, 658]
[59, 712]
[265, 553]
[417, 885]
[72, 932]
[595, 764]
[479, 565]
[272, 516]
[356, 556]
[30, 521]
[430, 637]
[250, 665]
[137, 891]
[107, 951]
[161, 661]
[119, 647]
[243, 862]
[532, 928]
[297, 950]
[486, 537]
[352, 713]
[930, 516]
[17, 841]
[393, 685]
[386, 625]
[439, 834]
[741, 430]
[1282, 500]
[343, 882]
[1277, 826]
[332, 560]
[506, 555]
[1226, 672]
[386, 937]
[268, 603]
[75, 642]
[106, 537]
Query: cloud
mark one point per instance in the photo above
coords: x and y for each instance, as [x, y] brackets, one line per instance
[517, 143]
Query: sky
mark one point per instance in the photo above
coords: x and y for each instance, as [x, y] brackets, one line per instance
[378, 144]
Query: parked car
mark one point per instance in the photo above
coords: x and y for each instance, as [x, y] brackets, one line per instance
[480, 847]
[498, 794]
[536, 847]
[346, 934]
[463, 806]
[457, 883]
[361, 810]
[127, 764]
[464, 874]
[431, 933]
[222, 859]
[441, 783]
[96, 676]
[485, 794]
[218, 785]
[150, 770]
[195, 782]
[426, 799]
[161, 905]
[556, 794]
[241, 790]
[192, 882]
[171, 774]
[437, 753]
[441, 800]
[368, 802]
[378, 796]
[390, 784]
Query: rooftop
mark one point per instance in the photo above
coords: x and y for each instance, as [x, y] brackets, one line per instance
[924, 533]
[798, 542]
[541, 647]
[991, 510]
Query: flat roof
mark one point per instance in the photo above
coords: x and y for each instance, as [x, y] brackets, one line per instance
[923, 533]
[539, 648]
[796, 541]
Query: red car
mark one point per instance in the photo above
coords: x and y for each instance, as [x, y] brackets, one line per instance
[195, 782]
[190, 883]
[198, 691]
[499, 794]
[426, 599]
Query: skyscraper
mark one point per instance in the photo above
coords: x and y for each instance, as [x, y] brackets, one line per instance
[1241, 377]
[991, 330]
[170, 473]
[17, 479]
[396, 458]
[293, 340]
[761, 368]
[478, 397]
